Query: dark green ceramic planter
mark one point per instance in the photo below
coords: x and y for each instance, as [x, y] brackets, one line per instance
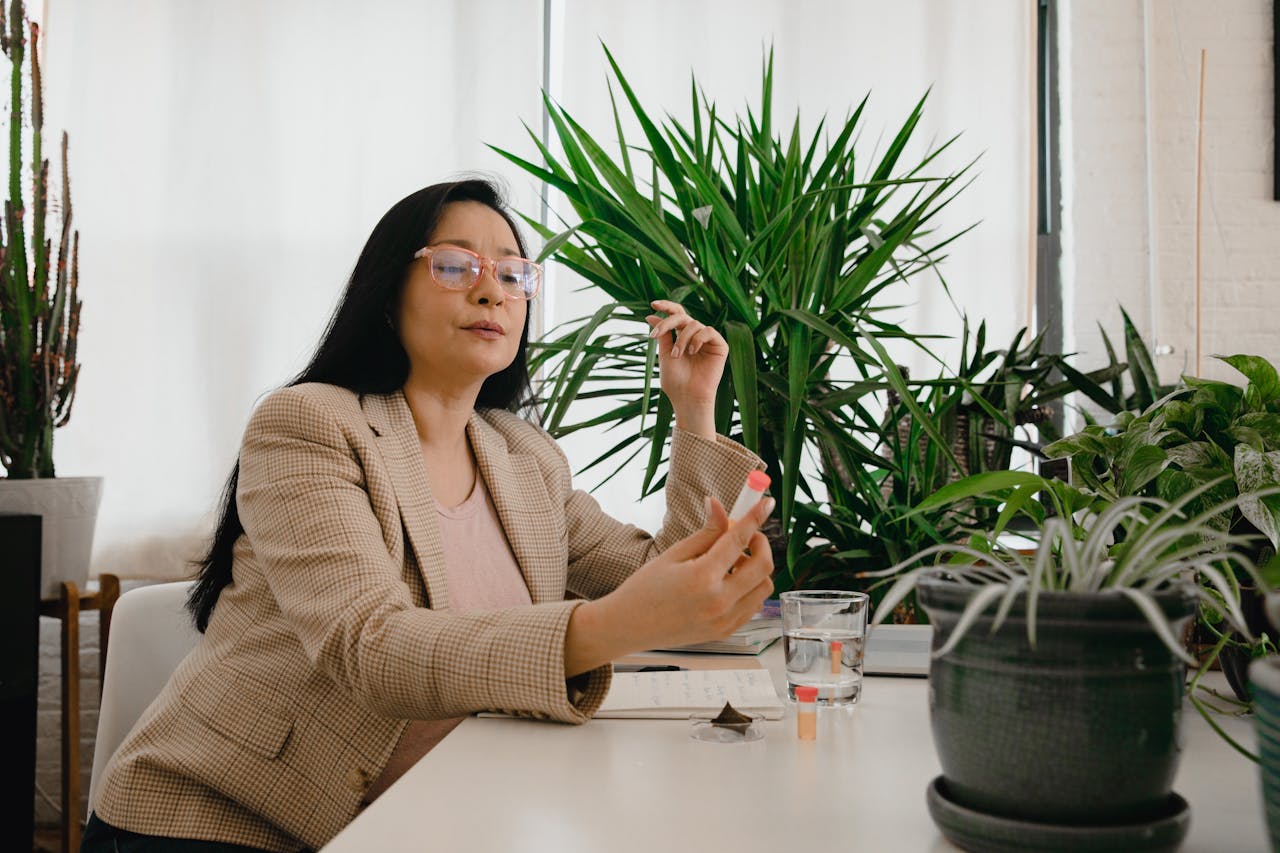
[1265, 677]
[1082, 729]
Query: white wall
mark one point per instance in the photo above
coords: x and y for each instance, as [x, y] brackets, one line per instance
[1132, 72]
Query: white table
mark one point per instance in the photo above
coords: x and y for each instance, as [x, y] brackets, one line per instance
[516, 786]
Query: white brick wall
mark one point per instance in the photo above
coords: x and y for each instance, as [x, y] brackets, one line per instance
[1129, 239]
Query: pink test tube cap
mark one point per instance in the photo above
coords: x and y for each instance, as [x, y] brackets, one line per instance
[758, 481]
[806, 694]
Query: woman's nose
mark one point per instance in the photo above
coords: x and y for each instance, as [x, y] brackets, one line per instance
[487, 290]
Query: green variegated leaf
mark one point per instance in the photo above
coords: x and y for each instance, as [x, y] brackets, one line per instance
[1092, 441]
[1256, 471]
[1248, 436]
[1203, 457]
[1220, 401]
[1172, 485]
[1182, 416]
[1264, 383]
[1265, 425]
[1141, 467]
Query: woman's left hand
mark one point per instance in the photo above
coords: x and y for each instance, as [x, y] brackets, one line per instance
[691, 359]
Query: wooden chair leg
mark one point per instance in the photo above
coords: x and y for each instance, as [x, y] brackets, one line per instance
[70, 607]
[108, 592]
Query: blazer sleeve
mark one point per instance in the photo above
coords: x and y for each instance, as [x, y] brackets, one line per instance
[306, 511]
[603, 552]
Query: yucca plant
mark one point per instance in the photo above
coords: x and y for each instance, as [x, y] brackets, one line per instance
[787, 243]
[39, 306]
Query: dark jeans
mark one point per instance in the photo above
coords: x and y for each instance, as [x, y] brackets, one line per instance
[102, 837]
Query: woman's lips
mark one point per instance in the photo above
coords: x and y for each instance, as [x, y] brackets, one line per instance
[488, 331]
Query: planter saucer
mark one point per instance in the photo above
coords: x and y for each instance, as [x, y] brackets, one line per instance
[974, 830]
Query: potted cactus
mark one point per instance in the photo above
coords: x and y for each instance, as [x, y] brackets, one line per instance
[39, 322]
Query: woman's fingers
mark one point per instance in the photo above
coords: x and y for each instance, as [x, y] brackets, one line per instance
[691, 335]
[747, 605]
[696, 544]
[684, 326]
[699, 338]
[667, 305]
[665, 343]
[750, 569]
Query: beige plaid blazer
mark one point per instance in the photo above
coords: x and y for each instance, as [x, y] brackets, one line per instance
[336, 629]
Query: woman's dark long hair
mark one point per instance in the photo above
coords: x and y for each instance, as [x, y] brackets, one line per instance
[360, 351]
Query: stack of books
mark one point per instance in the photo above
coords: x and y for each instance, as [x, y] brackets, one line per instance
[762, 631]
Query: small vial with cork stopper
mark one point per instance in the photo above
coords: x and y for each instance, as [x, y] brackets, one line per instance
[806, 712]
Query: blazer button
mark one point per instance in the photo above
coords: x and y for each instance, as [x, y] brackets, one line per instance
[358, 780]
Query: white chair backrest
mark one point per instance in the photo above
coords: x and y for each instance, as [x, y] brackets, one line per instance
[151, 632]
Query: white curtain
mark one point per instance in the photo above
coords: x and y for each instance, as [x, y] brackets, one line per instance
[974, 55]
[228, 161]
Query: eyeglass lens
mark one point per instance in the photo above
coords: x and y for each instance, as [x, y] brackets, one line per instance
[458, 270]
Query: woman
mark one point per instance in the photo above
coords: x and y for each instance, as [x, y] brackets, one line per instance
[396, 545]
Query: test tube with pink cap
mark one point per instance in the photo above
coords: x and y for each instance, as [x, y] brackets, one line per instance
[752, 492]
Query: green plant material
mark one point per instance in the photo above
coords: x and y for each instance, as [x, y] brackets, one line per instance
[786, 243]
[880, 510]
[1199, 432]
[1132, 547]
[38, 326]
[1203, 708]
[1114, 399]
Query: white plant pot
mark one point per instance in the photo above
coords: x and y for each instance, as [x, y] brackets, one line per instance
[69, 508]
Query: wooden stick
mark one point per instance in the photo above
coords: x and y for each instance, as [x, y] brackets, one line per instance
[70, 612]
[1199, 182]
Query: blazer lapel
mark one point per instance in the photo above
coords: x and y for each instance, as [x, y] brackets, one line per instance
[516, 484]
[391, 421]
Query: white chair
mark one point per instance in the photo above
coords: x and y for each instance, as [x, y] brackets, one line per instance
[151, 632]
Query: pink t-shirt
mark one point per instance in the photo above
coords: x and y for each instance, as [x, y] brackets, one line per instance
[483, 575]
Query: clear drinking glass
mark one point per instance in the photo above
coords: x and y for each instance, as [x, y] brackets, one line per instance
[824, 636]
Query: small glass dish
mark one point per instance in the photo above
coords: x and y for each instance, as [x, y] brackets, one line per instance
[704, 728]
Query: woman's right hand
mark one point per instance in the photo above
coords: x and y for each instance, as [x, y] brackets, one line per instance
[702, 588]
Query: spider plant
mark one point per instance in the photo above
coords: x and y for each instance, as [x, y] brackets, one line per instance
[1132, 547]
[789, 243]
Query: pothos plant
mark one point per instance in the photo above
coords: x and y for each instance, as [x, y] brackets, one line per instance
[1203, 431]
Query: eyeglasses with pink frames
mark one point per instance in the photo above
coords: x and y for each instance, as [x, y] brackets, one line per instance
[455, 268]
